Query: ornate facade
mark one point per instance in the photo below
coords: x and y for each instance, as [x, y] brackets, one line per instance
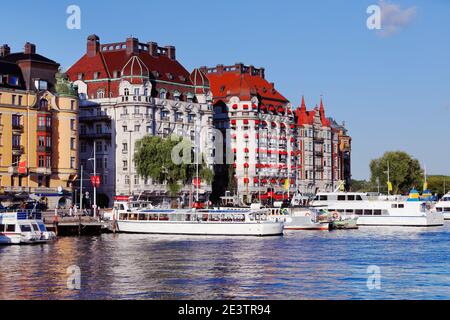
[128, 90]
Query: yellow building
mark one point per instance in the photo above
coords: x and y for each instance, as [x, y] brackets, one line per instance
[38, 128]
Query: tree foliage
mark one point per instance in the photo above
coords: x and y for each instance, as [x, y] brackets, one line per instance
[405, 171]
[437, 183]
[153, 159]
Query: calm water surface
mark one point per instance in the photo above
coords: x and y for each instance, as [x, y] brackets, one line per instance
[301, 265]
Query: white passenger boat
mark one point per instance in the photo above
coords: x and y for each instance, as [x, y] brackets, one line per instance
[229, 222]
[23, 227]
[380, 210]
[443, 206]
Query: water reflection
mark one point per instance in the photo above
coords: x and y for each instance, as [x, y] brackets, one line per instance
[300, 265]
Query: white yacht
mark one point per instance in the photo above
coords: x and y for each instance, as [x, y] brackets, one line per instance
[443, 206]
[23, 227]
[374, 210]
[227, 222]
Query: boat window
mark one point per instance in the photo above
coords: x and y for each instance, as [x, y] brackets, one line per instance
[341, 210]
[446, 199]
[401, 206]
[349, 211]
[377, 212]
[163, 217]
[341, 198]
[42, 227]
[446, 209]
[367, 212]
[2, 228]
[10, 228]
[142, 216]
[121, 207]
[35, 227]
[358, 198]
[316, 198]
[437, 209]
[323, 198]
[358, 212]
[25, 228]
[351, 198]
[132, 216]
[123, 216]
[394, 205]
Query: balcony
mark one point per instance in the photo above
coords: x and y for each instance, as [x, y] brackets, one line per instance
[97, 135]
[44, 149]
[44, 129]
[17, 189]
[16, 149]
[15, 170]
[43, 171]
[17, 127]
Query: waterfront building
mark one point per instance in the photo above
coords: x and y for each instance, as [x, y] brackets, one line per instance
[128, 90]
[258, 128]
[38, 128]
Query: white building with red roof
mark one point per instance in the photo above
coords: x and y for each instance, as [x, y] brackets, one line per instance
[130, 89]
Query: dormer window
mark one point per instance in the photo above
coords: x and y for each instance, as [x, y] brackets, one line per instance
[81, 76]
[40, 85]
[43, 104]
[96, 75]
[126, 92]
[100, 94]
[116, 74]
[162, 94]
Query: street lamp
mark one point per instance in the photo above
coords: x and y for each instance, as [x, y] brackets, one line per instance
[95, 177]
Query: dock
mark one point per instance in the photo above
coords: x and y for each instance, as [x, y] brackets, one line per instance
[75, 226]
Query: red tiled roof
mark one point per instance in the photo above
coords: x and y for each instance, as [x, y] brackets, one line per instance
[244, 86]
[307, 117]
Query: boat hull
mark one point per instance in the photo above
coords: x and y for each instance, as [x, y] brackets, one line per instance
[305, 223]
[202, 228]
[446, 215]
[433, 219]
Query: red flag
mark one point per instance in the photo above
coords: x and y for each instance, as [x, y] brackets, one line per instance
[23, 167]
[95, 180]
[197, 182]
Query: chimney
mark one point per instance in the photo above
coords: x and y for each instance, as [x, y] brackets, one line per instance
[219, 68]
[5, 50]
[153, 48]
[132, 46]
[251, 70]
[262, 73]
[239, 66]
[93, 45]
[29, 48]
[171, 52]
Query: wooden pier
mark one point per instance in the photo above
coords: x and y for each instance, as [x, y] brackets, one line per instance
[74, 226]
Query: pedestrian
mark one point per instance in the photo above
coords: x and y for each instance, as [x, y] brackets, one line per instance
[71, 211]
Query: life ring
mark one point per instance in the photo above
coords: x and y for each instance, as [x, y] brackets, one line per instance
[336, 215]
[284, 211]
[307, 214]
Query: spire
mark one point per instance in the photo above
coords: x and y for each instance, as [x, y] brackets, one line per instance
[303, 106]
[322, 109]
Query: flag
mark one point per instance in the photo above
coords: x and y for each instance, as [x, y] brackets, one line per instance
[342, 186]
[22, 167]
[287, 184]
[389, 186]
[197, 182]
[425, 186]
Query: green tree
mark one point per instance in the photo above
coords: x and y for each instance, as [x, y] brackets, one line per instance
[405, 171]
[438, 184]
[153, 159]
[363, 186]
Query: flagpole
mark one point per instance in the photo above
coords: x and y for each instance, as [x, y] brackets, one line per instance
[389, 180]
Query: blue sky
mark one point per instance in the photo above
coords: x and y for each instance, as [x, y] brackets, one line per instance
[391, 90]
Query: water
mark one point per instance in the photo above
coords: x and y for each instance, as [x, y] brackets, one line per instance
[301, 265]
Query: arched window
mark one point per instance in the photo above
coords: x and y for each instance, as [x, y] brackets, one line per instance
[126, 92]
[43, 104]
[100, 94]
[162, 94]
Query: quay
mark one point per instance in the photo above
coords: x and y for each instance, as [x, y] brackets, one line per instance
[74, 226]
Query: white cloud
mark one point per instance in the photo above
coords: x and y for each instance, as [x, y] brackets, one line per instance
[394, 18]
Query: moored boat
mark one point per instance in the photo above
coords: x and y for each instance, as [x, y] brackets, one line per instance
[443, 206]
[23, 227]
[210, 222]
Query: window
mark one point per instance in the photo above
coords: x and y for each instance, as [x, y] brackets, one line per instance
[368, 212]
[72, 162]
[126, 93]
[125, 165]
[136, 179]
[125, 147]
[136, 91]
[98, 128]
[43, 104]
[323, 198]
[127, 180]
[72, 124]
[72, 105]
[351, 198]
[41, 121]
[136, 110]
[16, 140]
[72, 143]
[105, 163]
[96, 75]
[15, 120]
[41, 161]
[10, 228]
[13, 80]
[20, 100]
[83, 146]
[137, 128]
[48, 161]
[100, 94]
[81, 76]
[341, 198]
[162, 94]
